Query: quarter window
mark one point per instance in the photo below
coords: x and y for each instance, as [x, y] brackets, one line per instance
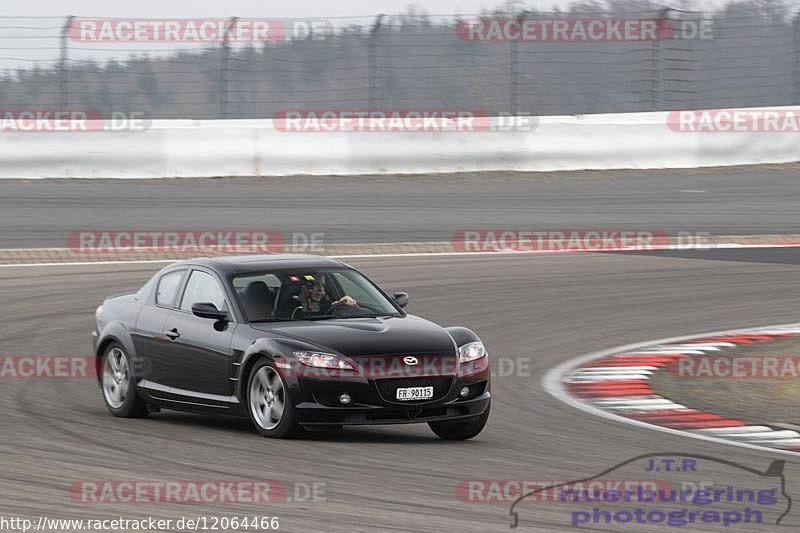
[168, 286]
[202, 288]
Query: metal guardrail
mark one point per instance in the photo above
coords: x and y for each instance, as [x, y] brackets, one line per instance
[407, 62]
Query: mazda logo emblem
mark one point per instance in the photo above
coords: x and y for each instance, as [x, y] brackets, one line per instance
[410, 360]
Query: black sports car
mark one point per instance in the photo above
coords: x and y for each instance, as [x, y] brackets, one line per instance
[294, 342]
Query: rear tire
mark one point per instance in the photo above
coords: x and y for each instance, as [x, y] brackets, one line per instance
[269, 403]
[461, 430]
[118, 384]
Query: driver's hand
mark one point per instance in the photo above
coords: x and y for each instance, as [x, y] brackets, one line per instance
[349, 301]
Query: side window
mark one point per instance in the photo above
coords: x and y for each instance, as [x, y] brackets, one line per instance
[168, 285]
[202, 288]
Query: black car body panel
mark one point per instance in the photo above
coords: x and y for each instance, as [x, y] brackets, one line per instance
[356, 337]
[185, 362]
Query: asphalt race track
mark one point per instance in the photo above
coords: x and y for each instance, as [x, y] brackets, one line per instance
[721, 201]
[541, 308]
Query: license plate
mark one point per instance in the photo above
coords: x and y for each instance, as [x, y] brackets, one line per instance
[415, 393]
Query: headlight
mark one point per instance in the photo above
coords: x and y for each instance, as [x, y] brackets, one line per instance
[324, 360]
[471, 352]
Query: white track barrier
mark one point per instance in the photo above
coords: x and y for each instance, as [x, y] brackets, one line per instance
[188, 148]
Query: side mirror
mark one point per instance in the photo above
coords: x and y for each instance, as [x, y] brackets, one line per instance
[401, 298]
[209, 310]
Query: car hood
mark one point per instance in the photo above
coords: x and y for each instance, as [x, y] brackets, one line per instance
[369, 336]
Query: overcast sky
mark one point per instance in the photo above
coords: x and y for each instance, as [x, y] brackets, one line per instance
[253, 8]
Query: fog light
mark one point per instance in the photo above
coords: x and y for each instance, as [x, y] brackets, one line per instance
[464, 392]
[344, 399]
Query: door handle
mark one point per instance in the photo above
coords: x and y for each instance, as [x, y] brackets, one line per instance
[172, 334]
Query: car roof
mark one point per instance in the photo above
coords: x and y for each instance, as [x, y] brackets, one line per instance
[252, 263]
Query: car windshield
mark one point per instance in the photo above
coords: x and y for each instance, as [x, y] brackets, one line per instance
[284, 295]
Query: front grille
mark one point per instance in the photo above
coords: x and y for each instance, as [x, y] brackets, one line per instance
[387, 388]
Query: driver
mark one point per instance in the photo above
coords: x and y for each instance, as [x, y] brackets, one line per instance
[314, 299]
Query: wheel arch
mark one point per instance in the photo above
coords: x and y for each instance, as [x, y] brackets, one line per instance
[260, 349]
[115, 332]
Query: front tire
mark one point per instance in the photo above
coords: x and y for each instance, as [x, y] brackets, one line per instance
[460, 430]
[118, 384]
[269, 404]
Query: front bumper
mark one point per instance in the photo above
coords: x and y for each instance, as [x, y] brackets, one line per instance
[316, 400]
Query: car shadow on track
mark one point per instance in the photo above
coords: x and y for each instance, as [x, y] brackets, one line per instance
[242, 426]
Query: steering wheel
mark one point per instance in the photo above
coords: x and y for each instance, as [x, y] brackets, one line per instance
[339, 305]
[335, 306]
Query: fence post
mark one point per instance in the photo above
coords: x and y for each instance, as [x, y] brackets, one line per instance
[514, 81]
[515, 70]
[796, 60]
[657, 71]
[372, 69]
[223, 69]
[63, 73]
